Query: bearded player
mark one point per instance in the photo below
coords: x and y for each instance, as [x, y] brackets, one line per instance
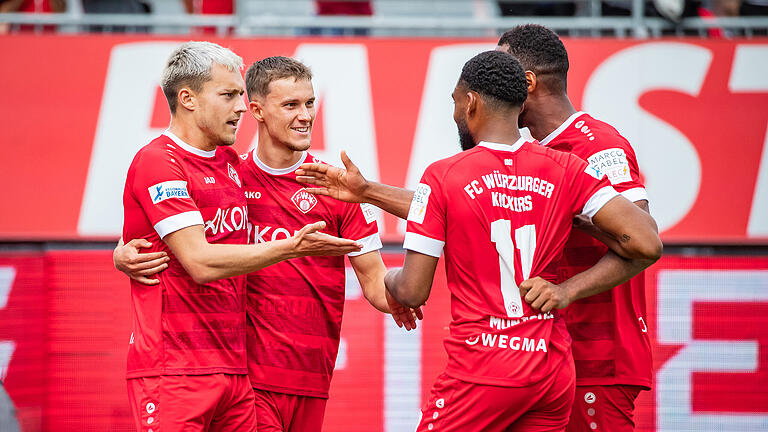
[500, 211]
[611, 347]
[295, 308]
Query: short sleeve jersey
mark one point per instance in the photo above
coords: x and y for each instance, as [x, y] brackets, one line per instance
[181, 327]
[295, 307]
[610, 337]
[502, 214]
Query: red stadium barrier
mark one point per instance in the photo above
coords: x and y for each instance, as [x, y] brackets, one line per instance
[76, 109]
[64, 329]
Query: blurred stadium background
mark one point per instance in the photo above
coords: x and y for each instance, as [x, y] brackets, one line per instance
[685, 82]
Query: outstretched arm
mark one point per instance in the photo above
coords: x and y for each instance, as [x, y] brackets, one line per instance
[370, 271]
[349, 185]
[207, 262]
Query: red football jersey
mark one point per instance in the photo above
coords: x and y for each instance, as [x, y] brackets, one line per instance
[179, 326]
[502, 213]
[610, 337]
[295, 307]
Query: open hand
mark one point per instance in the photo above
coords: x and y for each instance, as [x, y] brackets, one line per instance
[342, 184]
[309, 241]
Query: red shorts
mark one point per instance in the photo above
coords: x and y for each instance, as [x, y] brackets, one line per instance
[456, 405]
[604, 408]
[218, 402]
[281, 412]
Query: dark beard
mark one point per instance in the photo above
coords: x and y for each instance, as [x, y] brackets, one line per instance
[465, 137]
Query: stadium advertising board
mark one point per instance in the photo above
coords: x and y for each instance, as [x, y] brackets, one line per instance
[64, 334]
[77, 108]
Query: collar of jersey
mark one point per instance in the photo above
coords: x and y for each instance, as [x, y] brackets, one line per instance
[504, 147]
[278, 171]
[189, 148]
[561, 128]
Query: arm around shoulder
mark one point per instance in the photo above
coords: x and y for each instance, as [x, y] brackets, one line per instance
[631, 232]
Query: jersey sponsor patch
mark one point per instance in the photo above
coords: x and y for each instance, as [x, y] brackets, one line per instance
[168, 189]
[419, 203]
[613, 163]
[304, 200]
[369, 212]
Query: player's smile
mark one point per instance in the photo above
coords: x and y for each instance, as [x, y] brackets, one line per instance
[289, 112]
[302, 130]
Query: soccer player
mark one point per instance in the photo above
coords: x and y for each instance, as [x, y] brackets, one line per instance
[295, 307]
[611, 347]
[501, 210]
[187, 367]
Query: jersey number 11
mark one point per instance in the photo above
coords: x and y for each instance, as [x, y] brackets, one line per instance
[525, 240]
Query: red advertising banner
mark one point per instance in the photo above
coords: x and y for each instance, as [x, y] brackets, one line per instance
[77, 108]
[64, 329]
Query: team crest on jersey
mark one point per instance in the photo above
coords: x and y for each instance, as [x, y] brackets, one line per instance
[233, 174]
[304, 200]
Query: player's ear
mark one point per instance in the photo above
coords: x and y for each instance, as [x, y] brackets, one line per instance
[472, 102]
[256, 109]
[186, 99]
[530, 77]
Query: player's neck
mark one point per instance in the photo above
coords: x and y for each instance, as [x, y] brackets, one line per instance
[275, 155]
[500, 131]
[547, 113]
[191, 135]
